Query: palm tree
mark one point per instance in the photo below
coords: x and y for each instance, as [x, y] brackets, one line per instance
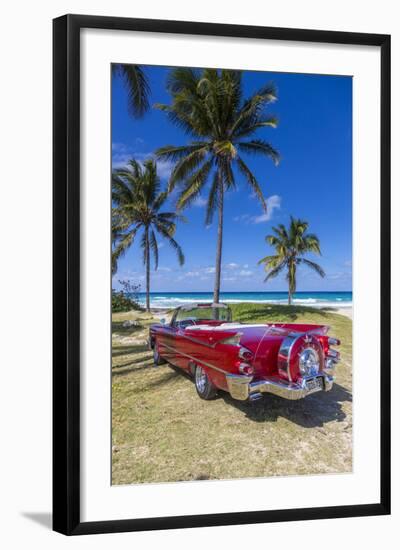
[137, 86]
[208, 105]
[137, 200]
[290, 245]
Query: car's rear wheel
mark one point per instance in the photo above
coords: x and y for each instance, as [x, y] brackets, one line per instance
[205, 388]
[158, 360]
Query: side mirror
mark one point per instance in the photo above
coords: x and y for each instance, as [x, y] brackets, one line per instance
[163, 321]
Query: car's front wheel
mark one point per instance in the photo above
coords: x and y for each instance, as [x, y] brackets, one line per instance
[158, 360]
[205, 388]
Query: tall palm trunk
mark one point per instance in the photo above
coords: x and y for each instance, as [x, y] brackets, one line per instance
[292, 282]
[218, 261]
[147, 262]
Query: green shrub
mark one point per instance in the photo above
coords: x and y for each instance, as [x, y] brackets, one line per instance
[125, 299]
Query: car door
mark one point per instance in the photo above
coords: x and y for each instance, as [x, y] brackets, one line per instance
[166, 342]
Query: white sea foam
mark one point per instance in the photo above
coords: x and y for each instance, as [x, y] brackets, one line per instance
[162, 302]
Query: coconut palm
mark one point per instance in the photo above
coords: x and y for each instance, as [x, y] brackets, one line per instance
[291, 244]
[137, 201]
[137, 86]
[209, 106]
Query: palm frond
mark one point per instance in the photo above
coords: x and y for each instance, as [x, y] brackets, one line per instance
[123, 243]
[251, 127]
[314, 266]
[274, 272]
[154, 247]
[185, 167]
[137, 87]
[252, 181]
[175, 153]
[259, 147]
[172, 242]
[194, 185]
[212, 199]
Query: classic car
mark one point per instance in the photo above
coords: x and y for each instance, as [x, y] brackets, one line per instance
[247, 360]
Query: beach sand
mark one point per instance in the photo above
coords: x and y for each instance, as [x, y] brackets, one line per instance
[346, 311]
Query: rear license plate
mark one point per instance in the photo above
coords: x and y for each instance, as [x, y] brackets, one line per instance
[315, 384]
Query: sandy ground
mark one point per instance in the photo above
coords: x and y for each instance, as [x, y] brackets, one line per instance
[346, 311]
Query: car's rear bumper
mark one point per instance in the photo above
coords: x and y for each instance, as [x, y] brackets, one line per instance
[243, 387]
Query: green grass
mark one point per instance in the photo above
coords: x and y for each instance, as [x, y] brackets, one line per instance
[163, 432]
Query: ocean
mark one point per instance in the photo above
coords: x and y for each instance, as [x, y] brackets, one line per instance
[314, 299]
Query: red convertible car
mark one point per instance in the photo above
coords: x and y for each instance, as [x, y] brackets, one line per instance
[285, 359]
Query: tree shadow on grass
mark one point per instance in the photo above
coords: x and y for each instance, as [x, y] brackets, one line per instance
[272, 312]
[130, 368]
[129, 349]
[136, 361]
[118, 326]
[311, 412]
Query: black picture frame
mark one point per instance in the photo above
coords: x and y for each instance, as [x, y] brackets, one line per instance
[66, 272]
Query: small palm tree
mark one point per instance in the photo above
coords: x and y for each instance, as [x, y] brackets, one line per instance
[291, 244]
[208, 105]
[137, 86]
[137, 200]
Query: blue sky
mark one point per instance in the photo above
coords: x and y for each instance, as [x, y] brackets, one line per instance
[313, 181]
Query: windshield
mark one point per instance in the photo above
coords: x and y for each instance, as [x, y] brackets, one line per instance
[200, 314]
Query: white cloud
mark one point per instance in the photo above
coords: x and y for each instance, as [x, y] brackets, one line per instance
[273, 203]
[164, 168]
[209, 270]
[232, 265]
[229, 279]
[200, 201]
[340, 275]
[122, 153]
[245, 273]
[242, 218]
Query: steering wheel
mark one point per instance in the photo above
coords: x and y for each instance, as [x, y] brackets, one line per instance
[186, 323]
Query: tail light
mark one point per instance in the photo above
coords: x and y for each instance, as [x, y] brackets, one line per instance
[245, 354]
[246, 357]
[245, 368]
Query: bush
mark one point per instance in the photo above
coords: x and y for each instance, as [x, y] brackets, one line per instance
[125, 299]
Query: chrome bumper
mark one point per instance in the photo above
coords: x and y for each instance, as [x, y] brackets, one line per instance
[242, 387]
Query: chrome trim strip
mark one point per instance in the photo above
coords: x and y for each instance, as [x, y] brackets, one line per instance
[286, 349]
[196, 360]
[332, 353]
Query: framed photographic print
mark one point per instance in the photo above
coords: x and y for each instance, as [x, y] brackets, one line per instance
[221, 274]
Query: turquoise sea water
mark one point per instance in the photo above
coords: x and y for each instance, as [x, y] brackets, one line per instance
[315, 299]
